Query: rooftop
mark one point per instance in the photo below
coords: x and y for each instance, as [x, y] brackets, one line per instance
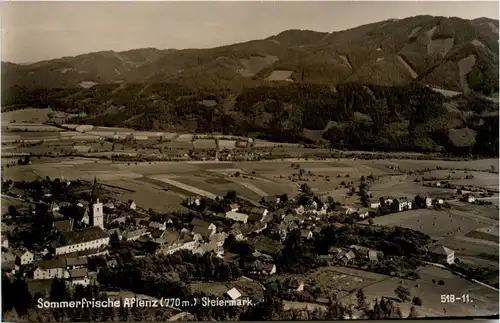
[86, 235]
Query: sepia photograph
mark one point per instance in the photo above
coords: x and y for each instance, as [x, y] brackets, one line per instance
[249, 160]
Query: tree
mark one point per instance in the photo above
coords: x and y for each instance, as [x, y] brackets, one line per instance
[419, 202]
[230, 195]
[413, 313]
[417, 301]
[361, 301]
[13, 212]
[395, 205]
[402, 293]
[58, 291]
[21, 296]
[306, 189]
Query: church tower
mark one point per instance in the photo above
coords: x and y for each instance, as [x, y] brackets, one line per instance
[97, 219]
[97, 211]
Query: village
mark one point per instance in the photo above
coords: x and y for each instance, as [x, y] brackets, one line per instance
[72, 230]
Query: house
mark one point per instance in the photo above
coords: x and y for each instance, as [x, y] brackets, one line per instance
[16, 192]
[158, 225]
[257, 214]
[236, 216]
[360, 250]
[469, 198]
[300, 210]
[24, 256]
[5, 241]
[284, 228]
[373, 255]
[63, 226]
[388, 201]
[346, 257]
[363, 213]
[306, 234]
[347, 210]
[197, 222]
[193, 201]
[109, 206]
[211, 246]
[235, 207]
[233, 293]
[261, 268]
[236, 232]
[440, 201]
[89, 238]
[218, 238]
[134, 234]
[270, 200]
[50, 269]
[79, 276]
[404, 204]
[131, 205]
[8, 257]
[428, 202]
[121, 219]
[175, 242]
[444, 253]
[76, 262]
[375, 205]
[117, 231]
[54, 207]
[294, 284]
[203, 231]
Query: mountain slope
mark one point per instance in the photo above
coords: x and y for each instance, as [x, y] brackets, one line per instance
[421, 49]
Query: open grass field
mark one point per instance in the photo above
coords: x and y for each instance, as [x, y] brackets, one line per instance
[259, 178]
[27, 115]
[436, 223]
[484, 300]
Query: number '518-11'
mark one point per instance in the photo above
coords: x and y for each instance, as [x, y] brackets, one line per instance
[451, 298]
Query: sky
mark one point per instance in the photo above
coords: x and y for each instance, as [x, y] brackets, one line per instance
[39, 30]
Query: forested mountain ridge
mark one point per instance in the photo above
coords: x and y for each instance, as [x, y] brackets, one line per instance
[449, 53]
[374, 87]
[354, 116]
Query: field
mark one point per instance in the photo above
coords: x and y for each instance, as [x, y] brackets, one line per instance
[484, 301]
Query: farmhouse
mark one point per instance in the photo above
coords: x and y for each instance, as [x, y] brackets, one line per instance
[131, 205]
[64, 226]
[363, 212]
[404, 204]
[73, 262]
[257, 214]
[134, 235]
[444, 253]
[347, 210]
[23, 256]
[306, 234]
[375, 205]
[193, 201]
[469, 198]
[270, 200]
[5, 241]
[175, 242]
[234, 207]
[90, 238]
[159, 225]
[236, 216]
[49, 269]
[428, 202]
[79, 276]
